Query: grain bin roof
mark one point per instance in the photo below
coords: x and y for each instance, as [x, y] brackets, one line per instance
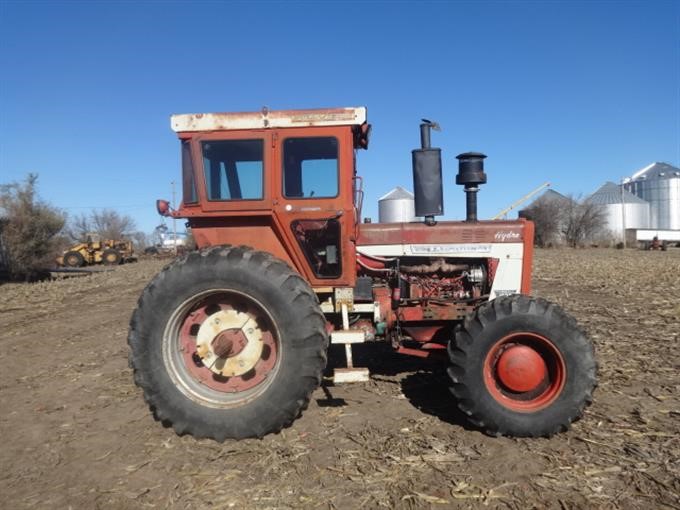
[656, 171]
[397, 193]
[549, 196]
[610, 193]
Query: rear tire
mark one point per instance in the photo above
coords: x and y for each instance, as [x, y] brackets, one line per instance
[180, 377]
[522, 367]
[73, 259]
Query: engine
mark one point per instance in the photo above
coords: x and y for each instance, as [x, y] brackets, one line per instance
[442, 279]
[427, 279]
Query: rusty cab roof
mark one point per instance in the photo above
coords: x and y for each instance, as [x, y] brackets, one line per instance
[267, 119]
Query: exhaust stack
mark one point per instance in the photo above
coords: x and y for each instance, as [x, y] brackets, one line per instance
[427, 176]
[471, 175]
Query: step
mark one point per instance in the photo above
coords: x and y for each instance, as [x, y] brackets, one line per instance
[350, 375]
[354, 336]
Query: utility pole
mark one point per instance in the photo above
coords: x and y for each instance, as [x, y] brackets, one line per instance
[623, 214]
[174, 221]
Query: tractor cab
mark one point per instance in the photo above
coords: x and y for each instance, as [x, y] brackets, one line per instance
[283, 182]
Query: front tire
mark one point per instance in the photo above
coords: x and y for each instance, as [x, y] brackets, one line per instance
[111, 257]
[522, 367]
[228, 343]
[73, 259]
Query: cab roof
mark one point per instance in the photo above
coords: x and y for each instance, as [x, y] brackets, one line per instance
[268, 119]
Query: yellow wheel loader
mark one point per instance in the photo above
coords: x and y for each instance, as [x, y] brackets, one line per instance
[96, 251]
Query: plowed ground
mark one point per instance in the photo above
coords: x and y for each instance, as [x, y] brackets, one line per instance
[76, 432]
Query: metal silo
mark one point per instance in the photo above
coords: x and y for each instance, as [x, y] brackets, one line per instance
[659, 184]
[397, 206]
[620, 204]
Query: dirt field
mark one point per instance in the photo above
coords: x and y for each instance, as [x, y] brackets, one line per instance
[77, 434]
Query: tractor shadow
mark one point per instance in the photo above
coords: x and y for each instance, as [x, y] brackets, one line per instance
[424, 382]
[429, 393]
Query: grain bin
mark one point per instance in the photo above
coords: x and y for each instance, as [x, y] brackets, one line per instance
[659, 184]
[397, 206]
[613, 199]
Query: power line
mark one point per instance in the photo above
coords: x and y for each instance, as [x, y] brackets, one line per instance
[133, 206]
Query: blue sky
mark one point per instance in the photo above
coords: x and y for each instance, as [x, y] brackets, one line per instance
[576, 93]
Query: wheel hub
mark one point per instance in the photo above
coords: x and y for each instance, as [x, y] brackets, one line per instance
[521, 369]
[229, 343]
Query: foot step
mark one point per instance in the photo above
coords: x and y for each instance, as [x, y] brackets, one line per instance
[354, 336]
[348, 375]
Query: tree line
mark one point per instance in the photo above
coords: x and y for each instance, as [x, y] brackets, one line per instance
[33, 232]
[567, 220]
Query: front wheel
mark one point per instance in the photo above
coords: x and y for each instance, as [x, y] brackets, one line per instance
[227, 343]
[73, 259]
[522, 367]
[111, 257]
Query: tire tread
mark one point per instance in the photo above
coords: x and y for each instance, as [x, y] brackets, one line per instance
[315, 341]
[461, 353]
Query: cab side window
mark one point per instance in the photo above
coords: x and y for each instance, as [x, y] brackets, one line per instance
[310, 167]
[233, 169]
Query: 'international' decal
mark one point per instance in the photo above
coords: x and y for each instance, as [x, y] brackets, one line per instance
[437, 249]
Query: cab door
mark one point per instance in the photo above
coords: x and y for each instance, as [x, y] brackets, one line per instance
[313, 203]
[234, 167]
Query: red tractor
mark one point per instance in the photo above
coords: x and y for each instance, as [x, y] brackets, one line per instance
[230, 341]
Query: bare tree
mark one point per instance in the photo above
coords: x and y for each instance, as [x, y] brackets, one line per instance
[111, 225]
[29, 228]
[79, 227]
[546, 215]
[582, 221]
[107, 223]
[565, 218]
[141, 240]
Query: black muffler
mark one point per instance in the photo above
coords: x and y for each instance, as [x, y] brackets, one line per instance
[427, 176]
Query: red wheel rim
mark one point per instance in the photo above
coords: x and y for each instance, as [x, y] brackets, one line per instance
[185, 355]
[524, 372]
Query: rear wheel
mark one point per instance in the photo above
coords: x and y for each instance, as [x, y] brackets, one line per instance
[522, 367]
[228, 343]
[73, 259]
[111, 257]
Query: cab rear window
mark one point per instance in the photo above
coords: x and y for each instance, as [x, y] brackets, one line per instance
[188, 181]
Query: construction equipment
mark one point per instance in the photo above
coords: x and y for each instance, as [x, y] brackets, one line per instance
[97, 251]
[504, 213]
[230, 341]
